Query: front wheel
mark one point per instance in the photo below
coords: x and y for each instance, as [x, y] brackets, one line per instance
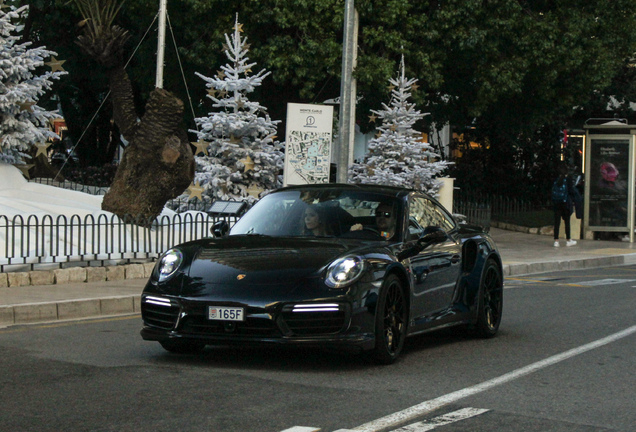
[391, 317]
[490, 302]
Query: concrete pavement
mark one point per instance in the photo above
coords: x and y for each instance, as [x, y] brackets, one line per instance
[522, 254]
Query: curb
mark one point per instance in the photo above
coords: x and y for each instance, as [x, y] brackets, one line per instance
[577, 264]
[76, 274]
[546, 230]
[64, 310]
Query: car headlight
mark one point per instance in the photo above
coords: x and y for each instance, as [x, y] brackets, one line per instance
[169, 264]
[344, 272]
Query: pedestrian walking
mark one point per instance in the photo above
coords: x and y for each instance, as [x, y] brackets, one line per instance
[564, 194]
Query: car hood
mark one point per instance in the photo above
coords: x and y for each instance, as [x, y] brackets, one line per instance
[248, 261]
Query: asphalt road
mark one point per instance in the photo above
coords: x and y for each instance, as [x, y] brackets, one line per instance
[564, 361]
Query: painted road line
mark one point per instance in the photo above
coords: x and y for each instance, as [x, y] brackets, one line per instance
[302, 429]
[401, 417]
[515, 283]
[442, 420]
[601, 282]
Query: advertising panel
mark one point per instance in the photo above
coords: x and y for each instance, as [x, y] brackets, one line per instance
[308, 144]
[609, 170]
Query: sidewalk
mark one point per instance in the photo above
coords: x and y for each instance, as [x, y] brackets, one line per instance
[532, 253]
[522, 254]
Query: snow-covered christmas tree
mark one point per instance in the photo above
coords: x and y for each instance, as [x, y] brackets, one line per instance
[23, 123]
[398, 156]
[241, 157]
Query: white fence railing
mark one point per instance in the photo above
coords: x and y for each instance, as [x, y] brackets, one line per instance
[35, 240]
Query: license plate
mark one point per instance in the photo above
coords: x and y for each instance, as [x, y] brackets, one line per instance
[221, 313]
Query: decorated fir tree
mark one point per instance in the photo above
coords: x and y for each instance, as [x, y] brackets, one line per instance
[23, 124]
[398, 156]
[240, 157]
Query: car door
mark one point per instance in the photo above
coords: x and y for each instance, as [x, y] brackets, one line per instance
[435, 269]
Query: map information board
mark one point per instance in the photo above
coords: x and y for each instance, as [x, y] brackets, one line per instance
[308, 144]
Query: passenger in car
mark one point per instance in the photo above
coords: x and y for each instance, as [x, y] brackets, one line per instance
[315, 221]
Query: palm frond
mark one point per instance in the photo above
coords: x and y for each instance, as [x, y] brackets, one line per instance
[98, 14]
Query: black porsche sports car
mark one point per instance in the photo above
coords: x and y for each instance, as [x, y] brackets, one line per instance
[351, 266]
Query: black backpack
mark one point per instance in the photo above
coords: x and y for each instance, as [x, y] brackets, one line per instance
[560, 191]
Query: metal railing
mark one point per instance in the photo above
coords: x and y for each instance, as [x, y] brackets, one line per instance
[474, 213]
[504, 207]
[481, 209]
[35, 240]
[66, 184]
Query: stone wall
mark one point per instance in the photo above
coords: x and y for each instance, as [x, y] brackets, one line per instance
[76, 274]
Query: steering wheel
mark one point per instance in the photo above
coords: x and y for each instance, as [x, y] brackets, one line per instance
[371, 229]
[364, 232]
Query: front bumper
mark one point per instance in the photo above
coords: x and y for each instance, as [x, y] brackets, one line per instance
[328, 322]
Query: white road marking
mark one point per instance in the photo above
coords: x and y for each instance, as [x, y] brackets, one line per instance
[443, 420]
[514, 283]
[301, 429]
[604, 282]
[395, 419]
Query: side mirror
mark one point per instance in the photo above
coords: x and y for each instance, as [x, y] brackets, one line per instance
[432, 235]
[220, 228]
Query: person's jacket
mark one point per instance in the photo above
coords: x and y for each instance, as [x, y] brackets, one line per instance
[575, 200]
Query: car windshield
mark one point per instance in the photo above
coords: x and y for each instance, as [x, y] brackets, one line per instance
[323, 213]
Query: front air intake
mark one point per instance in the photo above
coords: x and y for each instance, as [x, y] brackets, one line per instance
[159, 312]
[314, 319]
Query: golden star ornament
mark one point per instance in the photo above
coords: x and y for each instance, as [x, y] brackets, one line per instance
[42, 149]
[254, 190]
[56, 65]
[24, 168]
[26, 106]
[195, 190]
[201, 147]
[248, 163]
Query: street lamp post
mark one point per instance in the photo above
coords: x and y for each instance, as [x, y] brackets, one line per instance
[347, 92]
[161, 42]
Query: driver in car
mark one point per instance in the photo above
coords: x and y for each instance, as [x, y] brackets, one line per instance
[384, 221]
